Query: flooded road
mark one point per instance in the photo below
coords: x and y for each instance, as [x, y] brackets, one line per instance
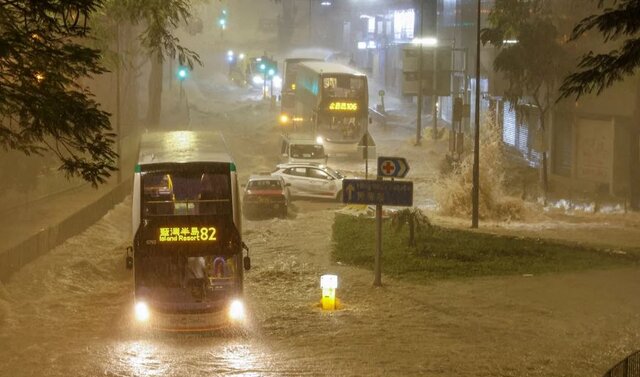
[69, 313]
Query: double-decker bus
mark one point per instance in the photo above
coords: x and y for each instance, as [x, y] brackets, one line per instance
[288, 92]
[332, 100]
[187, 254]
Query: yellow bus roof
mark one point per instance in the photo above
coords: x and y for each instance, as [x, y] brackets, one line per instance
[182, 147]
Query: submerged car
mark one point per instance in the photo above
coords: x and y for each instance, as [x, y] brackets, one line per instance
[266, 194]
[311, 180]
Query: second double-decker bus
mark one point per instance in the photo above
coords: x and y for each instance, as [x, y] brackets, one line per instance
[187, 254]
[332, 100]
[288, 92]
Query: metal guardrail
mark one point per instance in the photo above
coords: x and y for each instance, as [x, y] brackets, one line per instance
[629, 367]
[378, 116]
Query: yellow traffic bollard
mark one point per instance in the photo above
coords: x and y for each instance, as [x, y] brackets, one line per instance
[329, 283]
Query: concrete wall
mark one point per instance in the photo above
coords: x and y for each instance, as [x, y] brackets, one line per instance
[11, 260]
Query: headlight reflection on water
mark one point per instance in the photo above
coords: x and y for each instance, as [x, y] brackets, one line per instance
[140, 358]
[240, 360]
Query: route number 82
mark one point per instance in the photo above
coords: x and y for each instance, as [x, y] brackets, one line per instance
[207, 234]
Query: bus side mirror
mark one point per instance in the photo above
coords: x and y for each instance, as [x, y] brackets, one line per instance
[246, 261]
[129, 258]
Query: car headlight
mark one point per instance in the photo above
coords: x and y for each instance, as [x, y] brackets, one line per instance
[142, 311]
[236, 310]
[258, 80]
[277, 82]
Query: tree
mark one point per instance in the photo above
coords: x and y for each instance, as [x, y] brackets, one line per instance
[43, 108]
[618, 24]
[415, 218]
[531, 58]
[597, 72]
[159, 18]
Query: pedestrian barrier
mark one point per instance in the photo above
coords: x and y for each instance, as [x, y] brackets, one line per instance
[378, 117]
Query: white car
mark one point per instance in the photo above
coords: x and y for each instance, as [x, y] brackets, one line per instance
[311, 180]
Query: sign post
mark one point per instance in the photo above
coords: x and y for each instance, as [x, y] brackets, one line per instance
[377, 269]
[380, 192]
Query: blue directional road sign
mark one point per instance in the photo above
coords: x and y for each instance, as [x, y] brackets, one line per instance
[392, 167]
[368, 191]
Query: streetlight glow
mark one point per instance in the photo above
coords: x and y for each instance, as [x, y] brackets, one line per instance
[428, 41]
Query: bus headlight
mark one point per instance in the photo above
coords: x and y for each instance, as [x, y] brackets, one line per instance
[319, 140]
[236, 310]
[284, 119]
[142, 311]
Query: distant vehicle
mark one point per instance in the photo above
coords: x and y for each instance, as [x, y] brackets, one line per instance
[187, 247]
[311, 180]
[331, 101]
[288, 93]
[266, 194]
[257, 73]
[302, 148]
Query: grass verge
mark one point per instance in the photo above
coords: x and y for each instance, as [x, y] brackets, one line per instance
[443, 253]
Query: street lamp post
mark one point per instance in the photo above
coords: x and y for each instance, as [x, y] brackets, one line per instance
[419, 98]
[475, 191]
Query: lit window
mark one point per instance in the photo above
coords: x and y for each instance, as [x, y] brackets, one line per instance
[403, 24]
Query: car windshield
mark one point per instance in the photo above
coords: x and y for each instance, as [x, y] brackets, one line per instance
[264, 184]
[307, 151]
[334, 172]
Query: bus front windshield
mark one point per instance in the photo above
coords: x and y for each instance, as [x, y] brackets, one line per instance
[344, 87]
[186, 193]
[185, 278]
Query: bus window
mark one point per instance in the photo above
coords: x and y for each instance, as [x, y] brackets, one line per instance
[221, 268]
[186, 193]
[215, 194]
[158, 194]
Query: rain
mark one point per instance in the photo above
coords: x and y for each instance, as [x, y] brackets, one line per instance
[173, 199]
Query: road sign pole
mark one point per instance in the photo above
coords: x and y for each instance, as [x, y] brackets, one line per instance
[377, 279]
[366, 149]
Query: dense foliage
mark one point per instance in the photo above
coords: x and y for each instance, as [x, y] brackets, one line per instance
[618, 23]
[531, 57]
[43, 105]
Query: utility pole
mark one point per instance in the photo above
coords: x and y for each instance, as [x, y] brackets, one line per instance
[434, 97]
[420, 98]
[309, 24]
[377, 268]
[475, 191]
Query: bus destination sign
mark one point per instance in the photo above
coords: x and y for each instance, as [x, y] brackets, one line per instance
[343, 106]
[186, 234]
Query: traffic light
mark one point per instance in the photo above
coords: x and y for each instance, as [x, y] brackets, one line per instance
[222, 20]
[182, 73]
[268, 66]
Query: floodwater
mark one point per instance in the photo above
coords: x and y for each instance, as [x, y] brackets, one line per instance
[70, 311]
